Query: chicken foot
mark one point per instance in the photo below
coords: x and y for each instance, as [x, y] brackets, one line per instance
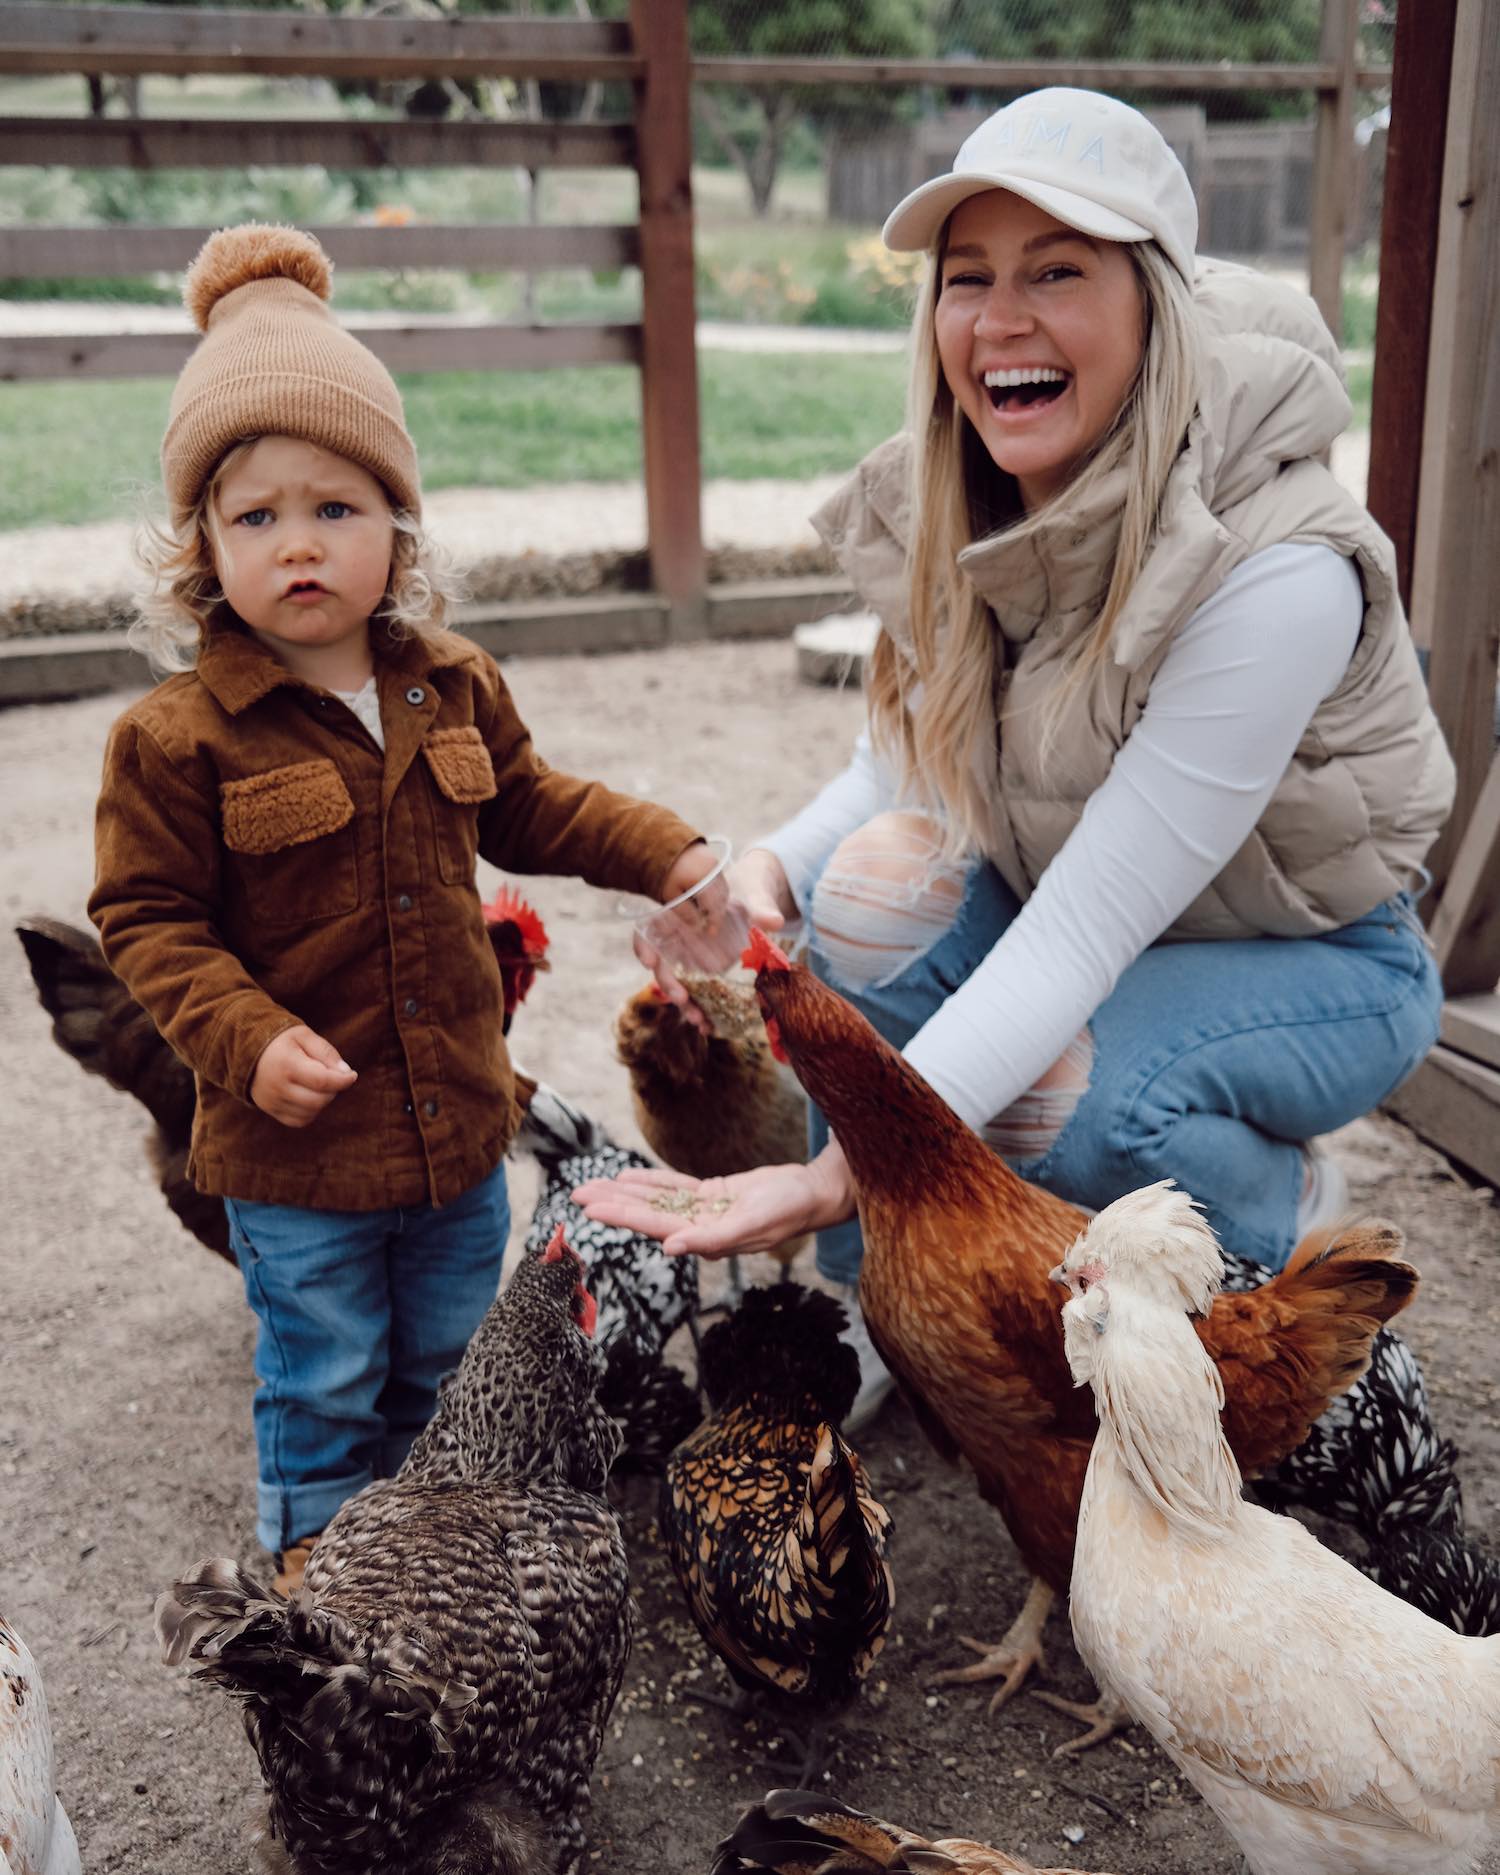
[1103, 1716]
[1012, 1657]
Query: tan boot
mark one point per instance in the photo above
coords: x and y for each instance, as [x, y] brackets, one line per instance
[292, 1562]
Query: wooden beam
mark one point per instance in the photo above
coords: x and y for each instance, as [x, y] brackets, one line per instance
[669, 356]
[176, 40]
[1454, 1103]
[1333, 166]
[336, 143]
[420, 346]
[105, 253]
[1454, 593]
[1471, 1026]
[1029, 74]
[1466, 924]
[1408, 266]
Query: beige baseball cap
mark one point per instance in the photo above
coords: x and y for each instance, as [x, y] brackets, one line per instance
[1093, 162]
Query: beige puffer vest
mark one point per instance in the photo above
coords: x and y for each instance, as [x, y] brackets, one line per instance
[1371, 780]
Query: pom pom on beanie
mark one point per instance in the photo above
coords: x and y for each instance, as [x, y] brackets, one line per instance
[273, 361]
[257, 251]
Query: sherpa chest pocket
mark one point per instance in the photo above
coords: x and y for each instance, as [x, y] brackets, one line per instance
[465, 776]
[291, 833]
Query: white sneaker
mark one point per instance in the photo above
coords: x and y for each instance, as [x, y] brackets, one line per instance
[876, 1381]
[1325, 1192]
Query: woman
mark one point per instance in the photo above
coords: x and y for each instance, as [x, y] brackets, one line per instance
[1125, 861]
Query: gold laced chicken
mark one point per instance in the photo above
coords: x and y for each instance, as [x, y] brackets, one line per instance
[797, 1832]
[768, 1519]
[1333, 1729]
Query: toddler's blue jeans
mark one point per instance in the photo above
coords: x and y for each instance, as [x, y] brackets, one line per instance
[360, 1314]
[1212, 1062]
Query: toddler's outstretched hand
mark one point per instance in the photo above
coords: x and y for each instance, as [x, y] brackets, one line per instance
[297, 1075]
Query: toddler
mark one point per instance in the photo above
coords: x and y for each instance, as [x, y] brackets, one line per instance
[286, 842]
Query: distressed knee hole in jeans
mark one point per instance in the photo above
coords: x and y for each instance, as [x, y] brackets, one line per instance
[1031, 1125]
[887, 896]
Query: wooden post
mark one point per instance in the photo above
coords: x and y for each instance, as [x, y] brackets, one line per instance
[1454, 591]
[1333, 163]
[669, 356]
[1408, 267]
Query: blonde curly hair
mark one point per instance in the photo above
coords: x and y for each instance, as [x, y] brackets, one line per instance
[185, 598]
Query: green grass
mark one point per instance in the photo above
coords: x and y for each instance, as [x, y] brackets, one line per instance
[763, 415]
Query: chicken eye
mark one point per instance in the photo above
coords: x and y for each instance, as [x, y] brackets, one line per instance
[1083, 1284]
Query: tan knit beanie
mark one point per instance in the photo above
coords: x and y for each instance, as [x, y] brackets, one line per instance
[275, 362]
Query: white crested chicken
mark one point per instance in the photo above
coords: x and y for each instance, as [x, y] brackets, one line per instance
[36, 1837]
[99, 1023]
[955, 1292]
[799, 1832]
[431, 1700]
[768, 1519]
[710, 1103]
[1333, 1729]
[643, 1295]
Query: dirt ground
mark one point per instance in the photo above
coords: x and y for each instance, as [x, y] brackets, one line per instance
[125, 1447]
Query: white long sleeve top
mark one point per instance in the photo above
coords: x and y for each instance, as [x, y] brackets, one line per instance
[1227, 707]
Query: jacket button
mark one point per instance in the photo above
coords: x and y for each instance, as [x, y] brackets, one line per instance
[404, 902]
[410, 1005]
[430, 1107]
[416, 696]
[407, 1107]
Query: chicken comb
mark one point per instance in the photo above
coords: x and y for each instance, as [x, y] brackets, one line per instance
[761, 954]
[558, 1247]
[507, 906]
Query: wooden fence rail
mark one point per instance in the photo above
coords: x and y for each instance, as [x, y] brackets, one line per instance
[176, 41]
[648, 53]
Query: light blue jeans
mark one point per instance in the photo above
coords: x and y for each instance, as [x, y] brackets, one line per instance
[360, 1314]
[1211, 1061]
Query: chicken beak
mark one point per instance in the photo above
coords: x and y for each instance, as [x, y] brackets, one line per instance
[1058, 1275]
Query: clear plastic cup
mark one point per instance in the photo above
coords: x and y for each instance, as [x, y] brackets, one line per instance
[701, 931]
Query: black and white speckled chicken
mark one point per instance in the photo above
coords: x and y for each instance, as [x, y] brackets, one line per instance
[767, 1516]
[1375, 1460]
[431, 1701]
[643, 1296]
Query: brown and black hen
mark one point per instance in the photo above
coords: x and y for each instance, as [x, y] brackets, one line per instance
[99, 1023]
[431, 1701]
[768, 1518]
[716, 1102]
[796, 1832]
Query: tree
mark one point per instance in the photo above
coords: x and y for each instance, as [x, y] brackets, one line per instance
[1239, 31]
[794, 29]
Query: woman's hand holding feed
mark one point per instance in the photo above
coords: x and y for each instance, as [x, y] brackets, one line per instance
[719, 1217]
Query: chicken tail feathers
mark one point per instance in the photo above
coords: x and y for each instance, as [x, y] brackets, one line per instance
[1287, 1348]
[554, 1129]
[302, 1662]
[842, 1535]
[99, 1023]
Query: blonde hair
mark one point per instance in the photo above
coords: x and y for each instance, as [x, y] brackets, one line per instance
[185, 597]
[945, 750]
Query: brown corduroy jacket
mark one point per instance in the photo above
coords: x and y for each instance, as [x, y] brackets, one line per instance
[261, 863]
